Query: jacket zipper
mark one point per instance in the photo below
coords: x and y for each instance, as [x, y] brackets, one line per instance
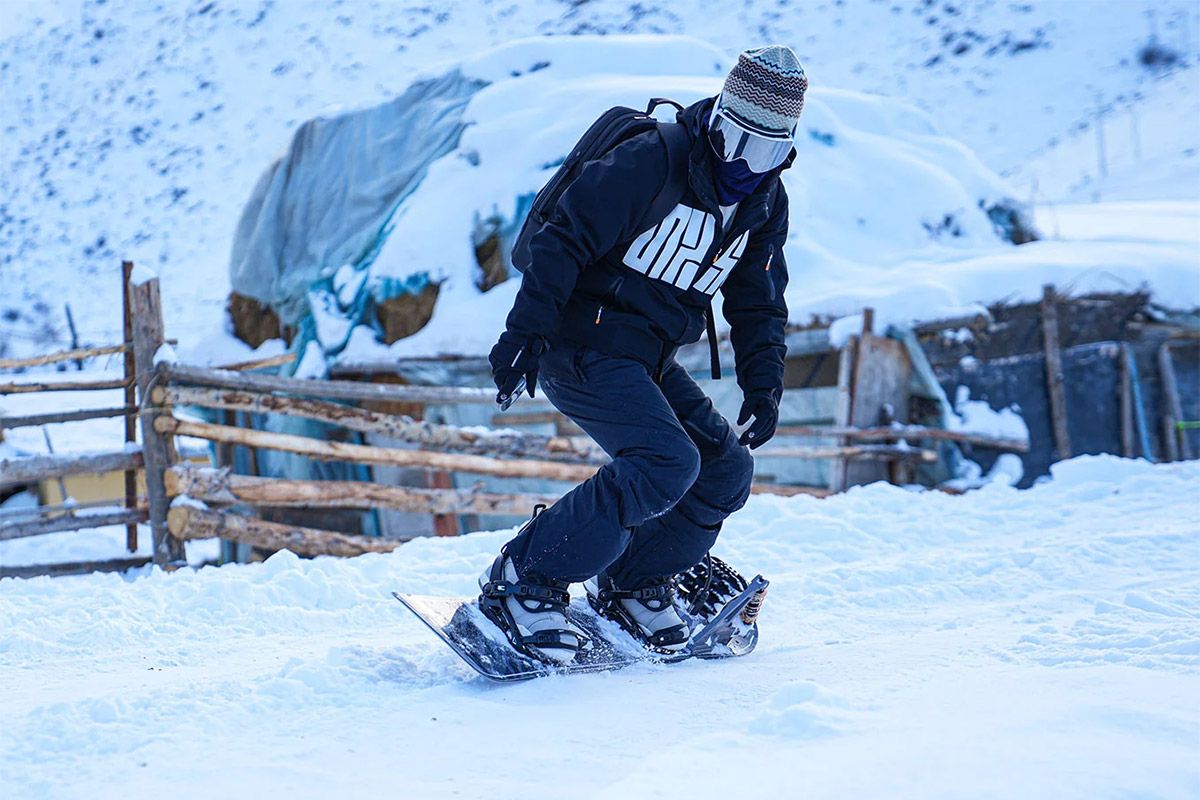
[612, 298]
[767, 269]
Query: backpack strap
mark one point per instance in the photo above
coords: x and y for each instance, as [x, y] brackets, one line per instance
[679, 148]
[714, 355]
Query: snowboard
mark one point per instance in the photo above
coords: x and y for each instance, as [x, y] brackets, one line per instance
[458, 621]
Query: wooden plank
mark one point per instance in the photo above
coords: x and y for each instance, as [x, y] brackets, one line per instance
[1175, 440]
[443, 524]
[187, 523]
[62, 355]
[1054, 373]
[368, 454]
[74, 568]
[32, 469]
[158, 449]
[842, 411]
[219, 487]
[881, 379]
[61, 386]
[260, 363]
[71, 507]
[1126, 395]
[864, 452]
[37, 420]
[789, 491]
[68, 522]
[905, 432]
[130, 364]
[576, 450]
[563, 425]
[337, 390]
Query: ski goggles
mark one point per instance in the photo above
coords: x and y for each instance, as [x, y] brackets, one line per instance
[733, 137]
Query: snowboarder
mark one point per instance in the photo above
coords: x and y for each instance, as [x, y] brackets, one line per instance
[606, 299]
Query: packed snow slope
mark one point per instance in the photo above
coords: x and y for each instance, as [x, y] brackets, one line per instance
[1035, 644]
[137, 129]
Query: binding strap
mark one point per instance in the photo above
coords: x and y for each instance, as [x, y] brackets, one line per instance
[547, 594]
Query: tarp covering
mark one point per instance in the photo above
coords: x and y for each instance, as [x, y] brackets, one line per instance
[324, 203]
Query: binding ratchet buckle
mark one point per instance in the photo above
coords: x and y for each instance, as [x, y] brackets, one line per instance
[750, 612]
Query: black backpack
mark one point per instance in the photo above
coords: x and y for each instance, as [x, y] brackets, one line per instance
[614, 126]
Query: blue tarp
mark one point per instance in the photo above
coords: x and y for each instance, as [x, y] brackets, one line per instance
[326, 201]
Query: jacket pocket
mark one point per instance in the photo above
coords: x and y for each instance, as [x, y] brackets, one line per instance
[562, 364]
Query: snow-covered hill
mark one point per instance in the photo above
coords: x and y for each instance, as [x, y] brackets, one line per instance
[137, 129]
[1036, 644]
[874, 183]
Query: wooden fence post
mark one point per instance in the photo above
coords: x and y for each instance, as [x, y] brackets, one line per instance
[1125, 393]
[842, 413]
[1176, 443]
[158, 449]
[1054, 372]
[131, 532]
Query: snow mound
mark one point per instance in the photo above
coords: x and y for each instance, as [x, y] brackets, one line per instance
[874, 180]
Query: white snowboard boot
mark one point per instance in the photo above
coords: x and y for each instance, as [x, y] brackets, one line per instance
[648, 613]
[532, 615]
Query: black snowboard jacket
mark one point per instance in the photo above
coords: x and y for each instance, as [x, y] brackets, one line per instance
[603, 276]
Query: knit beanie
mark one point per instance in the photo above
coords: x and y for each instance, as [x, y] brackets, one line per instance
[766, 87]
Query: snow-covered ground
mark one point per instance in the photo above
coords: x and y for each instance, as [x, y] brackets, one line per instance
[1032, 644]
[1006, 644]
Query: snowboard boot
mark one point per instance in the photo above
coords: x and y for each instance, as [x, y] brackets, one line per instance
[531, 614]
[647, 613]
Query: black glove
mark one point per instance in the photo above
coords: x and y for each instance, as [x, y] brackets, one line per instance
[512, 358]
[763, 405]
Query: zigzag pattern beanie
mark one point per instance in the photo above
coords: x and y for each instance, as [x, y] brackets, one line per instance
[766, 87]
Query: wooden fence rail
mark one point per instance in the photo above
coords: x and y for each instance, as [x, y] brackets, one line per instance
[369, 454]
[61, 386]
[864, 452]
[186, 523]
[219, 487]
[907, 432]
[32, 469]
[68, 522]
[74, 567]
[63, 355]
[37, 420]
[336, 390]
[577, 450]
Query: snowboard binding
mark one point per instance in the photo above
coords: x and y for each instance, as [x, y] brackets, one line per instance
[603, 596]
[725, 604]
[553, 646]
[531, 614]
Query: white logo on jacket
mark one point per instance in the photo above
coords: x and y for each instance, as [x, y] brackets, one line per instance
[671, 251]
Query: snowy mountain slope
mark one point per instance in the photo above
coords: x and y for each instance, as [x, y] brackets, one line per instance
[1037, 644]
[137, 129]
[1146, 149]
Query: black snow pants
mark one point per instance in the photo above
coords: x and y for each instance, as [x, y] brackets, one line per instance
[677, 472]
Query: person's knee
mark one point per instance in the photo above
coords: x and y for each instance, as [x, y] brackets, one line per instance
[734, 472]
[678, 470]
[650, 480]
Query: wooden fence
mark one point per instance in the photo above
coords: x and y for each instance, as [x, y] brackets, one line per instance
[128, 510]
[185, 501]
